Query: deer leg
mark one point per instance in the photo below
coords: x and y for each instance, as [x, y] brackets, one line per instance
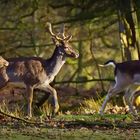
[112, 92]
[29, 96]
[43, 99]
[105, 103]
[55, 99]
[128, 100]
[53, 92]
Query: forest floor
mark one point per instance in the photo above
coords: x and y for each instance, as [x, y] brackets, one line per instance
[72, 127]
[78, 119]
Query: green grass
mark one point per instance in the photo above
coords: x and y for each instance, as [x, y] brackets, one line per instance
[68, 134]
[88, 127]
[79, 122]
[93, 117]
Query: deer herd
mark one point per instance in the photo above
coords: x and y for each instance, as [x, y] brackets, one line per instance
[33, 73]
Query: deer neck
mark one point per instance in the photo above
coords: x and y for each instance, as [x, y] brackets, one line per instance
[55, 63]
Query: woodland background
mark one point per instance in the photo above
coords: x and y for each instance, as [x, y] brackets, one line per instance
[101, 30]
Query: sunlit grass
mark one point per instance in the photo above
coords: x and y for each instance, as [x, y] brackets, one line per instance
[90, 106]
[12, 109]
[93, 117]
[44, 111]
[86, 110]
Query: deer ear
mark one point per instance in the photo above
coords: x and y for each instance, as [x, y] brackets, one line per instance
[54, 41]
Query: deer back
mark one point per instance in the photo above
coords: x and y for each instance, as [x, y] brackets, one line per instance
[28, 70]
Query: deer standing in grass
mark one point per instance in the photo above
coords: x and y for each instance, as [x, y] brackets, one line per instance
[127, 75]
[37, 73]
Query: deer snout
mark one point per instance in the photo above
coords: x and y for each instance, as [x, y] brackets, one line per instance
[72, 54]
[76, 55]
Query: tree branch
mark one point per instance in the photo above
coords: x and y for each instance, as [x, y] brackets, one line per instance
[17, 118]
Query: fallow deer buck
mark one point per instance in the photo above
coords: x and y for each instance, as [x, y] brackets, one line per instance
[37, 73]
[127, 75]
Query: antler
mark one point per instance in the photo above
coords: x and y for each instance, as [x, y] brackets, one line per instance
[49, 26]
[67, 38]
[62, 32]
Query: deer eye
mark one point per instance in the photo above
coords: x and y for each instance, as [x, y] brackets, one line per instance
[66, 48]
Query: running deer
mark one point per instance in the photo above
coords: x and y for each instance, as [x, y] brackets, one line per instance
[37, 73]
[127, 75]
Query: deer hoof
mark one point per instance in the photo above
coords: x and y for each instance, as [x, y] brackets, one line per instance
[55, 111]
[101, 113]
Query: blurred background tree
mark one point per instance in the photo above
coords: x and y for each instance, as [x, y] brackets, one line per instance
[101, 29]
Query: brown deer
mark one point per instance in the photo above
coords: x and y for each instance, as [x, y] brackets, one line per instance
[127, 78]
[3, 62]
[3, 76]
[37, 73]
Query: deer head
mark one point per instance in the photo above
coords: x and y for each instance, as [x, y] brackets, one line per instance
[62, 42]
[3, 62]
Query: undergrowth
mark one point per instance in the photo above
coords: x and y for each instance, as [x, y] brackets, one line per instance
[88, 106]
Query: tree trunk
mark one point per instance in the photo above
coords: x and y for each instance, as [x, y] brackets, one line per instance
[128, 30]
